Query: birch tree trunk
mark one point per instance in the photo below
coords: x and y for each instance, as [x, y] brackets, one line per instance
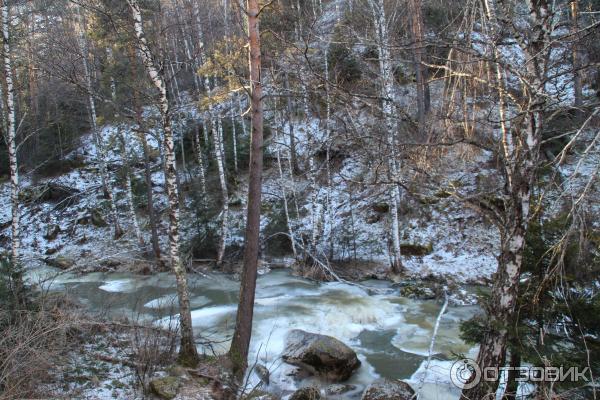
[521, 162]
[218, 140]
[234, 137]
[387, 94]
[11, 141]
[242, 118]
[200, 158]
[243, 326]
[187, 351]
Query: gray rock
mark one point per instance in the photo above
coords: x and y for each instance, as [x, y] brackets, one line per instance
[320, 355]
[263, 373]
[60, 262]
[307, 393]
[385, 389]
[166, 388]
[339, 389]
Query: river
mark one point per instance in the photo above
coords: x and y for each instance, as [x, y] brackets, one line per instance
[391, 334]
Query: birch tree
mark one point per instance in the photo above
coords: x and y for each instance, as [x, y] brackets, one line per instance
[11, 138]
[240, 344]
[219, 155]
[187, 350]
[386, 87]
[520, 157]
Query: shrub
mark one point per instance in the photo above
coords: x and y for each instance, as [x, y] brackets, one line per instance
[33, 335]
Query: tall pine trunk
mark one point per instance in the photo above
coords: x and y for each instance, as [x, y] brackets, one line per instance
[243, 327]
[187, 351]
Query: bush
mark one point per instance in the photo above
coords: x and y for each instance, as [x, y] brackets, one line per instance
[33, 335]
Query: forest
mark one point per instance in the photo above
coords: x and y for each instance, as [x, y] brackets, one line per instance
[300, 199]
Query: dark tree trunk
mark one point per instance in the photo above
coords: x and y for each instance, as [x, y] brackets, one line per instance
[243, 326]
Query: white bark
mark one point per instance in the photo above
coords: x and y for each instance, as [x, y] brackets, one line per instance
[11, 134]
[387, 94]
[187, 348]
[218, 141]
[200, 158]
[234, 137]
[242, 118]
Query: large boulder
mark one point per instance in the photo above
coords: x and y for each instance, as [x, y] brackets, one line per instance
[385, 389]
[321, 355]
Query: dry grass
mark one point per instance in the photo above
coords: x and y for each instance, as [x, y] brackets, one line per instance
[31, 343]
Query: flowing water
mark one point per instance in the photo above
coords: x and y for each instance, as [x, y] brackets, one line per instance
[390, 333]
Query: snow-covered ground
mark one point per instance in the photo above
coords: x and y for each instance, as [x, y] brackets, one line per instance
[462, 245]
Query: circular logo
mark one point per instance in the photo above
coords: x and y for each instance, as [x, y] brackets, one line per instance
[465, 374]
